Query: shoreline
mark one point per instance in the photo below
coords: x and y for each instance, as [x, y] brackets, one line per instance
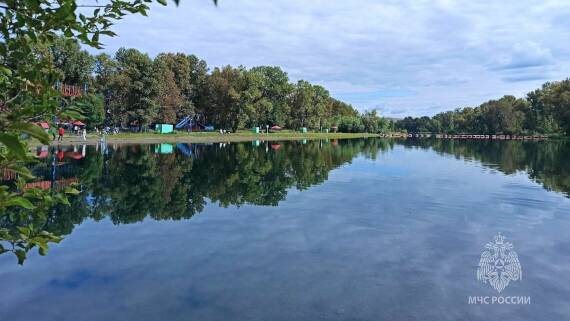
[242, 136]
[199, 137]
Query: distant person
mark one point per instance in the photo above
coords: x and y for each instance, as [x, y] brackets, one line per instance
[60, 132]
[84, 134]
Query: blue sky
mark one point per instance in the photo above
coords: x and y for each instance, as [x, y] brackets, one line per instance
[403, 58]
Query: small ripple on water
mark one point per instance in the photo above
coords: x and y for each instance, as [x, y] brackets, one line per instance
[521, 195]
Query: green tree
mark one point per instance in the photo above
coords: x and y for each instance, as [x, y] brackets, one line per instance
[227, 105]
[92, 109]
[308, 105]
[75, 64]
[555, 99]
[275, 88]
[27, 94]
[198, 84]
[174, 72]
[133, 90]
[170, 101]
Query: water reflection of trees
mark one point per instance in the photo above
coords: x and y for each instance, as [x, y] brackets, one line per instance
[130, 183]
[545, 162]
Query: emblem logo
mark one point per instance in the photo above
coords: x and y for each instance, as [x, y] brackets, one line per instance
[499, 264]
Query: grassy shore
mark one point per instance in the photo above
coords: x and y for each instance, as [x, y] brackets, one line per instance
[204, 137]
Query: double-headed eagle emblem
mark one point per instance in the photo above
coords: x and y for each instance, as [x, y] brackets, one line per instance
[499, 264]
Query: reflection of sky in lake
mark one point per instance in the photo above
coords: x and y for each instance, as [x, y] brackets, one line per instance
[396, 238]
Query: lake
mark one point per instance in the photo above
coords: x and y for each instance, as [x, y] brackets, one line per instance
[366, 229]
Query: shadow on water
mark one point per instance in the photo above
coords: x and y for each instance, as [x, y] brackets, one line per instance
[128, 183]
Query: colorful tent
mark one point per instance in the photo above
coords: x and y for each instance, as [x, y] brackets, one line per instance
[78, 123]
[275, 127]
[43, 125]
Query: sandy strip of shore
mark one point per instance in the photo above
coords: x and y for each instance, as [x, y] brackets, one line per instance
[192, 138]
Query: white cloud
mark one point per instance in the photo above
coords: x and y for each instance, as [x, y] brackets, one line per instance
[447, 53]
[526, 55]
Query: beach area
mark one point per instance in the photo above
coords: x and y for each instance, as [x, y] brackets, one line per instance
[198, 137]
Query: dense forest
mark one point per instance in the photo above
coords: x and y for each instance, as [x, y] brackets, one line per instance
[543, 111]
[133, 90]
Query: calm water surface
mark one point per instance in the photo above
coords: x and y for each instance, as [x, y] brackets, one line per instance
[332, 230]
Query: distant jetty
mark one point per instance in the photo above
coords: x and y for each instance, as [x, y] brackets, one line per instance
[468, 136]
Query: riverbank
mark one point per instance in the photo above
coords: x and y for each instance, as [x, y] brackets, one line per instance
[201, 137]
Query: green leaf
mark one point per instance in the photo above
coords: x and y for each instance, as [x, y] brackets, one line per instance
[108, 33]
[20, 170]
[95, 37]
[162, 2]
[72, 191]
[23, 230]
[43, 247]
[33, 130]
[19, 201]
[62, 199]
[21, 256]
[14, 145]
[5, 70]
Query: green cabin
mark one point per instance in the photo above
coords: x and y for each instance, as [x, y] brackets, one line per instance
[164, 128]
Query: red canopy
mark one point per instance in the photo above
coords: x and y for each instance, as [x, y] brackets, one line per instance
[275, 146]
[78, 123]
[276, 127]
[43, 125]
[74, 155]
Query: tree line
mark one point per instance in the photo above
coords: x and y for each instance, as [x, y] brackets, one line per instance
[131, 89]
[543, 111]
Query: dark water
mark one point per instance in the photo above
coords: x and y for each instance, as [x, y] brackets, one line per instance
[341, 230]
